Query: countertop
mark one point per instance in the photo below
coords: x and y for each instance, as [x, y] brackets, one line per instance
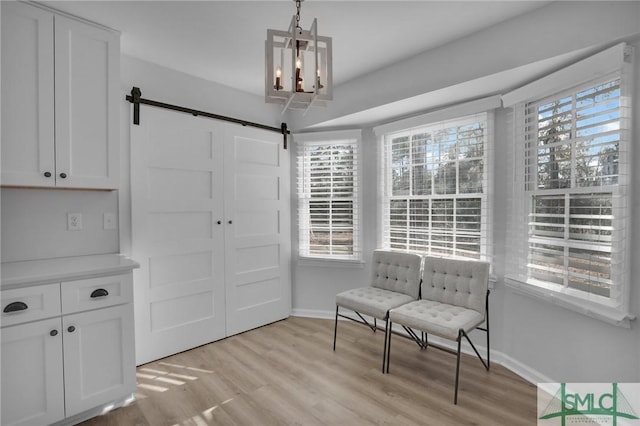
[36, 272]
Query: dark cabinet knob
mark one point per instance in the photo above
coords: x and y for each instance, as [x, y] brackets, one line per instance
[230, 222]
[219, 222]
[71, 329]
[15, 307]
[53, 333]
[99, 292]
[47, 174]
[63, 175]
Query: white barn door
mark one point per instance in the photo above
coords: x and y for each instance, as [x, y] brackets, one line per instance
[210, 229]
[258, 241]
[176, 193]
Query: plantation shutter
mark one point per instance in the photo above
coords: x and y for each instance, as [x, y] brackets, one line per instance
[328, 196]
[436, 181]
[570, 207]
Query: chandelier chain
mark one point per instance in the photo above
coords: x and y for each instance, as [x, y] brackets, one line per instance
[298, 5]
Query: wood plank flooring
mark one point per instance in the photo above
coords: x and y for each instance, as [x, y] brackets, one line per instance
[286, 373]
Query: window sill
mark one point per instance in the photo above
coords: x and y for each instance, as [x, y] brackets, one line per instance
[585, 307]
[324, 262]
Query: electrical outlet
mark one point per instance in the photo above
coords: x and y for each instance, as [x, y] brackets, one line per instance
[74, 221]
[109, 221]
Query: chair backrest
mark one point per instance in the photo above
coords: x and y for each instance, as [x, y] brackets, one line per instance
[456, 282]
[397, 271]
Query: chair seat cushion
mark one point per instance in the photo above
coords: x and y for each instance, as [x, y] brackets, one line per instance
[372, 301]
[436, 318]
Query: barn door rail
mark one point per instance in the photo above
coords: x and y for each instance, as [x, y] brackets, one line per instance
[136, 99]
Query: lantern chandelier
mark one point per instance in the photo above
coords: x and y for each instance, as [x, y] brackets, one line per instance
[298, 66]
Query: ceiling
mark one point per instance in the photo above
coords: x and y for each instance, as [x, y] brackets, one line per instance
[223, 41]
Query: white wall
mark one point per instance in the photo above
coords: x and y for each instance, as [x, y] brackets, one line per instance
[34, 223]
[540, 341]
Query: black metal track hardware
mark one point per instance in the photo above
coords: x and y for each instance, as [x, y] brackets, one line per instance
[136, 99]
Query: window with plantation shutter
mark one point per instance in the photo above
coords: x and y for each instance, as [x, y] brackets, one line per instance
[435, 181]
[328, 195]
[570, 215]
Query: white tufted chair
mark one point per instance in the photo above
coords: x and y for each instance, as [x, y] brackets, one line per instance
[395, 281]
[453, 302]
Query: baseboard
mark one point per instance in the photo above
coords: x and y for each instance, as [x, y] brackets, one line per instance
[529, 374]
[313, 313]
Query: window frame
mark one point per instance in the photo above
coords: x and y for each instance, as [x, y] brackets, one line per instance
[459, 114]
[611, 64]
[303, 195]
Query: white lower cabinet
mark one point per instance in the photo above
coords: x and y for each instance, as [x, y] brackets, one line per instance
[99, 363]
[32, 375]
[60, 369]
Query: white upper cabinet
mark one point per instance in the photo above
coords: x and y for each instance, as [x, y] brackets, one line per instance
[28, 150]
[59, 111]
[87, 66]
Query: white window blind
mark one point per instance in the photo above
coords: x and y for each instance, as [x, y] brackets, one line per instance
[328, 195]
[435, 181]
[569, 218]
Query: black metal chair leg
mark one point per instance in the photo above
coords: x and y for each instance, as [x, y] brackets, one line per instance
[335, 328]
[386, 342]
[488, 349]
[389, 326]
[455, 396]
[487, 329]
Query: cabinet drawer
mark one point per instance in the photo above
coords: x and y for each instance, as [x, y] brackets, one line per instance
[95, 293]
[30, 303]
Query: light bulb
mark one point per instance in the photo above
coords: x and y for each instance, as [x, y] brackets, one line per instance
[278, 75]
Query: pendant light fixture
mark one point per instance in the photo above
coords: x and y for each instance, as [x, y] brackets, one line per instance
[298, 71]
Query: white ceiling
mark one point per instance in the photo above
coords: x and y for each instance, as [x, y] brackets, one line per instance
[223, 41]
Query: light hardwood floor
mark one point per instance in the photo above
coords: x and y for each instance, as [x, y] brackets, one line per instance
[286, 373]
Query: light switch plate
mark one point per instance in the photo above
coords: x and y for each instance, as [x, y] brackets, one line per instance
[74, 221]
[109, 221]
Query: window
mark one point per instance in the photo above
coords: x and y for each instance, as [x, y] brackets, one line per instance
[570, 222]
[328, 195]
[435, 181]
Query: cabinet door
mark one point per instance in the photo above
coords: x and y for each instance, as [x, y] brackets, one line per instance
[27, 96]
[87, 64]
[99, 361]
[32, 378]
